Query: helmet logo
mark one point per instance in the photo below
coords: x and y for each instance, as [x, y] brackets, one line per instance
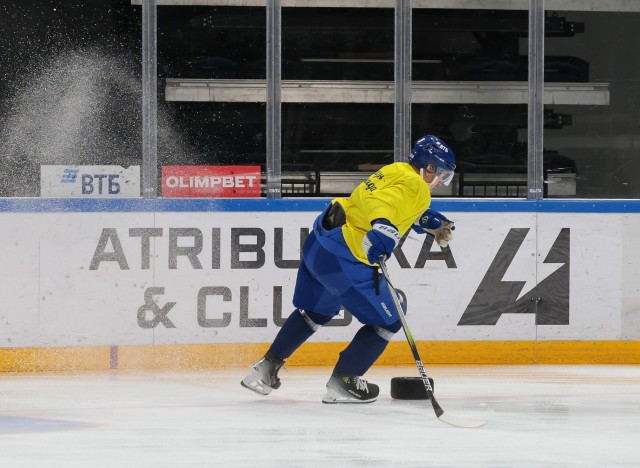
[441, 146]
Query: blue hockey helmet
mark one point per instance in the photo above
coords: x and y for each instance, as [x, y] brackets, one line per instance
[432, 151]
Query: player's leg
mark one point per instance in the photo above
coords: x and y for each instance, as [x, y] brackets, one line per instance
[315, 306]
[371, 303]
[346, 384]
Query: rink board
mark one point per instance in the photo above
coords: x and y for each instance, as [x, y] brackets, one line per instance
[164, 283]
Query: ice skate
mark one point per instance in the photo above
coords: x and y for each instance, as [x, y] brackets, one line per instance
[350, 389]
[264, 375]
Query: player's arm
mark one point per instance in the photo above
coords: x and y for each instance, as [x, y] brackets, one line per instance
[435, 225]
[381, 239]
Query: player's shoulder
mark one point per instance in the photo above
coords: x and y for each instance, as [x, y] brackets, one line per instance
[400, 169]
[405, 174]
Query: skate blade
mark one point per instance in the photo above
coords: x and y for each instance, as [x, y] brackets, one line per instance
[332, 397]
[347, 401]
[254, 385]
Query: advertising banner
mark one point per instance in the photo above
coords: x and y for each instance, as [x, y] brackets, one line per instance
[210, 181]
[73, 279]
[59, 181]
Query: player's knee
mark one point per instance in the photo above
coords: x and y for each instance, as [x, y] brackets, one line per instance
[386, 332]
[315, 320]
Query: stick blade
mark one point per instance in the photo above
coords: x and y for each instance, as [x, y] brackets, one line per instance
[458, 422]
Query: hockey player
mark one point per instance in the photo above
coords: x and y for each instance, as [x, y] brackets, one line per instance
[339, 269]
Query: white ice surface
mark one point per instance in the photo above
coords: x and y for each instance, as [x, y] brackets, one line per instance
[539, 416]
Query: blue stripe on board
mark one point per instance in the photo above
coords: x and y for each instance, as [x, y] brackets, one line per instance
[540, 206]
[26, 205]
[589, 206]
[55, 205]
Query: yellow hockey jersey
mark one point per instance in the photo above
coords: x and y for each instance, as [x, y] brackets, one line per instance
[396, 192]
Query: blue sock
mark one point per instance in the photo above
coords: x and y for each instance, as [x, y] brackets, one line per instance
[365, 348]
[295, 331]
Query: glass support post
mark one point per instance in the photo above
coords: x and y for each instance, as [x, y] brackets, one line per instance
[402, 80]
[535, 116]
[149, 99]
[273, 98]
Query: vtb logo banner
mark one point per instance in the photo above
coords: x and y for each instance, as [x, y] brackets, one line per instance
[548, 299]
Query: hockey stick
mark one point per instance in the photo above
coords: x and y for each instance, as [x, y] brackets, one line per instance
[442, 416]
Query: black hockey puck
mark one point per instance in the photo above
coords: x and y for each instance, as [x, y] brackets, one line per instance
[409, 388]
